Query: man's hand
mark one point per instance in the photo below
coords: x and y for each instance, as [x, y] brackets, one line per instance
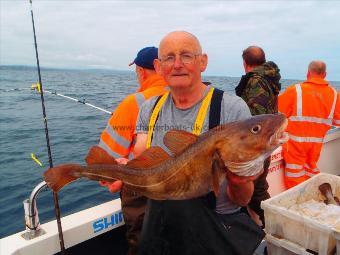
[112, 186]
[240, 188]
[122, 161]
[116, 185]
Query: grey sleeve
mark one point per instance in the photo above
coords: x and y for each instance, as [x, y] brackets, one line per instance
[144, 116]
[233, 108]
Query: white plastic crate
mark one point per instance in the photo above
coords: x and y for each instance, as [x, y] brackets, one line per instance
[276, 246]
[297, 227]
[336, 234]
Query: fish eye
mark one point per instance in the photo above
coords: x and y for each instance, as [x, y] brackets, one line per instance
[255, 129]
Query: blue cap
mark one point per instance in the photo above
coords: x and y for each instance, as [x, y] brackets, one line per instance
[145, 57]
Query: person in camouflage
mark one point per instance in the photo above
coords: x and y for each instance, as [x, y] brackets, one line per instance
[259, 88]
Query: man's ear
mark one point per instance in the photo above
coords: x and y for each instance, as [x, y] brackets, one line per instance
[157, 65]
[143, 73]
[139, 72]
[204, 62]
[245, 66]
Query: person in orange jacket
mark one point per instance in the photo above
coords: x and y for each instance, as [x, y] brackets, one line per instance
[311, 107]
[117, 139]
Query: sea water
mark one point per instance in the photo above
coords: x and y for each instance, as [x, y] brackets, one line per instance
[73, 129]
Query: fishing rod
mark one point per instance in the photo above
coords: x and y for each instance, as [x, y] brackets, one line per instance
[55, 195]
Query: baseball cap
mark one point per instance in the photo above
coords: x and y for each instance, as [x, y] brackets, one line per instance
[145, 57]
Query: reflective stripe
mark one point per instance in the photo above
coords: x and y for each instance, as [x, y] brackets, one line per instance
[294, 166]
[311, 119]
[337, 122]
[140, 99]
[316, 170]
[301, 139]
[331, 114]
[295, 175]
[117, 138]
[299, 116]
[108, 150]
[299, 174]
[298, 100]
[310, 174]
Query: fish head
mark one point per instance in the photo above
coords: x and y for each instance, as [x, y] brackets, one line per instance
[244, 145]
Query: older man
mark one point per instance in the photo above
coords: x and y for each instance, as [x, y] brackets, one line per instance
[193, 226]
[311, 107]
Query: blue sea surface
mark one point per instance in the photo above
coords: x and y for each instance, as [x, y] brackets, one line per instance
[73, 129]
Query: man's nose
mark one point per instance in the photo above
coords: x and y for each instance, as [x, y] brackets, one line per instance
[178, 62]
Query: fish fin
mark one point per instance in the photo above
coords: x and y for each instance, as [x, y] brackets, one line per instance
[59, 176]
[218, 169]
[151, 157]
[98, 155]
[215, 182]
[178, 140]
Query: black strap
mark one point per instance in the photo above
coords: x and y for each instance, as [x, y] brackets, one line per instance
[214, 120]
[158, 98]
[215, 108]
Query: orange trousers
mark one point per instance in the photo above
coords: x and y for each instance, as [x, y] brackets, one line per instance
[300, 161]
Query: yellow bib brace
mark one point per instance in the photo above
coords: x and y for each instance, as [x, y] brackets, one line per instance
[199, 118]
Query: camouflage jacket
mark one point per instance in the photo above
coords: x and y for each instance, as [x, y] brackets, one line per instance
[260, 87]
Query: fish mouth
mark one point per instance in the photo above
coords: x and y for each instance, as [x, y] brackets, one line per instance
[280, 136]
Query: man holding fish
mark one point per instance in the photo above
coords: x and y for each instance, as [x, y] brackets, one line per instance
[178, 169]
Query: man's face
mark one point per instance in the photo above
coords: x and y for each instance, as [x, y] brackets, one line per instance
[181, 62]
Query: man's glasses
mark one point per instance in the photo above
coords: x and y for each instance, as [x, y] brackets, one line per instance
[186, 59]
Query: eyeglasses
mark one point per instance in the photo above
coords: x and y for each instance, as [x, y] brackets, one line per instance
[186, 59]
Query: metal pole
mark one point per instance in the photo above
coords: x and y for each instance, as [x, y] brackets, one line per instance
[55, 195]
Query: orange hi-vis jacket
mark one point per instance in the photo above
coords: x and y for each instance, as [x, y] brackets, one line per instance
[311, 108]
[117, 139]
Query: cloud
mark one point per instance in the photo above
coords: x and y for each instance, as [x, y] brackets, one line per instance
[82, 34]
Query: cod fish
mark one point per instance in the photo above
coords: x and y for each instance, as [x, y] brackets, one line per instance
[326, 191]
[198, 164]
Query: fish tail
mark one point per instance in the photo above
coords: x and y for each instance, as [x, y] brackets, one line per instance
[59, 176]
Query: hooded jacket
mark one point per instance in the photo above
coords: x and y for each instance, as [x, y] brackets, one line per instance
[260, 87]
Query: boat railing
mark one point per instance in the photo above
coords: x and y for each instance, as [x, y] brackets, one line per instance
[31, 214]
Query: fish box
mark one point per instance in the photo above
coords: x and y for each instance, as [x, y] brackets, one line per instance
[315, 233]
[277, 246]
[336, 234]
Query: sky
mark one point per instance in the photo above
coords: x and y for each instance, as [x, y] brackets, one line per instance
[108, 34]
